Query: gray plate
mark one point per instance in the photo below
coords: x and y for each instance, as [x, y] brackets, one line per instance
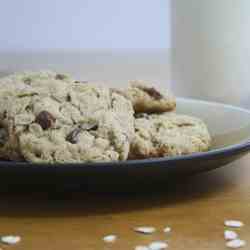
[230, 129]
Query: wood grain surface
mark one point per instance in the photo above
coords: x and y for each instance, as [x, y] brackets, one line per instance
[195, 208]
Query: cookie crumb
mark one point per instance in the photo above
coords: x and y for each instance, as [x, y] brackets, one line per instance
[230, 235]
[10, 239]
[236, 243]
[233, 223]
[110, 238]
[145, 230]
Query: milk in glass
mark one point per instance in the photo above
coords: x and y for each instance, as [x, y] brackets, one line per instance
[211, 50]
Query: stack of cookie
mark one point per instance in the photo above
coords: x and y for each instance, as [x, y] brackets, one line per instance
[50, 117]
[159, 131]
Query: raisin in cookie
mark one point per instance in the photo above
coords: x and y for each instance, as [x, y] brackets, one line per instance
[52, 118]
[168, 134]
[148, 99]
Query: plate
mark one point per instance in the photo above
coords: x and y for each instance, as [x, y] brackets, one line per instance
[228, 125]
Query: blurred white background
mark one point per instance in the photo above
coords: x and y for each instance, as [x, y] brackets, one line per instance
[84, 24]
[211, 50]
[110, 41]
[117, 40]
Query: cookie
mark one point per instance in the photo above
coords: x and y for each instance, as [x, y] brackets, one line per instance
[168, 134]
[52, 118]
[147, 99]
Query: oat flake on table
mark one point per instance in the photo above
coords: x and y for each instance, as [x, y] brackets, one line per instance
[10, 239]
[236, 243]
[141, 248]
[145, 230]
[167, 230]
[110, 238]
[230, 235]
[158, 245]
[233, 223]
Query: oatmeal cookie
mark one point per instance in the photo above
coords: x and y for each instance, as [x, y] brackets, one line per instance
[168, 134]
[49, 117]
[147, 99]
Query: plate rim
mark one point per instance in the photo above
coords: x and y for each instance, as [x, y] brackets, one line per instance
[245, 110]
[196, 156]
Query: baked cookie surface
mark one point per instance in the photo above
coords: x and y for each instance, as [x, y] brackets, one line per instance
[49, 117]
[168, 134]
[147, 99]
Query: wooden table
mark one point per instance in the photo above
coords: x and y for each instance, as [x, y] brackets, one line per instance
[195, 209]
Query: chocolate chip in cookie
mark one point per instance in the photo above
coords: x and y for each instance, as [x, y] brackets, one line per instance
[185, 125]
[80, 81]
[60, 77]
[73, 136]
[3, 135]
[45, 119]
[27, 80]
[141, 115]
[153, 93]
[5, 114]
[68, 98]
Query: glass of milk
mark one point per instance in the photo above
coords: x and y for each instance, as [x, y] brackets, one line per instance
[211, 50]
